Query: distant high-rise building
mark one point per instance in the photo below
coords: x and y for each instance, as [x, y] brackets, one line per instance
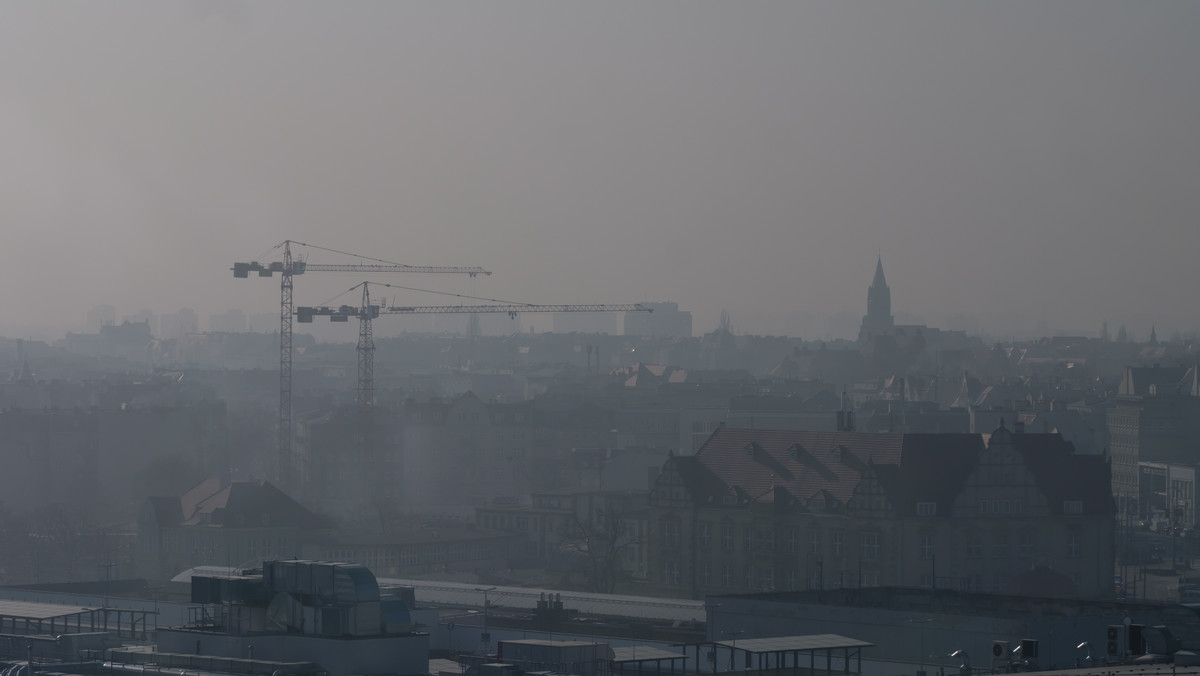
[263, 322]
[585, 322]
[179, 324]
[101, 315]
[230, 321]
[146, 317]
[878, 321]
[665, 319]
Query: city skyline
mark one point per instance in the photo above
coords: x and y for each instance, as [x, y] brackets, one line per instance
[1025, 165]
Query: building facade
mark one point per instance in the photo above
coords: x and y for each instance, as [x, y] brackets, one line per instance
[765, 510]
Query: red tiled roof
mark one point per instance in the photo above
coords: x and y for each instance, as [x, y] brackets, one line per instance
[911, 468]
[813, 470]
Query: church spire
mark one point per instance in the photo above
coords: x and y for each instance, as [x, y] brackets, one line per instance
[878, 320]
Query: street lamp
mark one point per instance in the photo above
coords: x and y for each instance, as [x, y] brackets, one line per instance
[1086, 646]
[485, 637]
[965, 667]
[921, 623]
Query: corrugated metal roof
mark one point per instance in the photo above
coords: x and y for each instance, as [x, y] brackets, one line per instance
[38, 611]
[790, 643]
[643, 653]
[609, 605]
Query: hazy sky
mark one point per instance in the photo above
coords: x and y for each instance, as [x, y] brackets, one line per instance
[1015, 161]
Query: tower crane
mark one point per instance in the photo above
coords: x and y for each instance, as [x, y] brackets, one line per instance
[287, 269]
[367, 311]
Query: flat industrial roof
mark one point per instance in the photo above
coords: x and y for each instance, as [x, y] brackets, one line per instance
[38, 611]
[791, 643]
[549, 642]
[644, 653]
[612, 605]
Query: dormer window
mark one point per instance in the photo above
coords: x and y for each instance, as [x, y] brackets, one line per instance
[795, 451]
[753, 448]
[817, 504]
[729, 500]
[1073, 507]
[926, 509]
[837, 453]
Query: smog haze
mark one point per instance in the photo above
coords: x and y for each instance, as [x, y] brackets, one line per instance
[1028, 165]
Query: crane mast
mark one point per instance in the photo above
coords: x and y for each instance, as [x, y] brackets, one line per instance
[288, 268]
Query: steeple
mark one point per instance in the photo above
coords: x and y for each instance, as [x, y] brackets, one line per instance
[879, 281]
[878, 320]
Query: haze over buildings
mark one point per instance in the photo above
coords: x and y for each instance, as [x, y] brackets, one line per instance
[1022, 168]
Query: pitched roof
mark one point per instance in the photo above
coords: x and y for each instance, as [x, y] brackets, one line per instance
[243, 504]
[1147, 380]
[804, 464]
[1062, 475]
[954, 455]
[767, 465]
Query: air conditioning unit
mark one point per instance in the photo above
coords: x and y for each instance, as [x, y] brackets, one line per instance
[999, 650]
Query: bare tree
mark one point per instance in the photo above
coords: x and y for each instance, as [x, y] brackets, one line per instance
[601, 545]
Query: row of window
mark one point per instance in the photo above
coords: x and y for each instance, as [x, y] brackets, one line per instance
[762, 539]
[762, 578]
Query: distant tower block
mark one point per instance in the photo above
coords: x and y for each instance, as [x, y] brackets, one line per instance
[878, 321]
[664, 320]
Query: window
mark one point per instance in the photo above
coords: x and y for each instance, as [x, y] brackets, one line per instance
[750, 577]
[926, 509]
[869, 546]
[669, 531]
[837, 543]
[747, 538]
[1025, 546]
[974, 548]
[766, 579]
[726, 575]
[764, 540]
[927, 547]
[983, 506]
[670, 571]
[1073, 507]
[815, 542]
[727, 537]
[926, 580]
[1016, 506]
[1000, 547]
[793, 539]
[704, 575]
[1072, 545]
[704, 538]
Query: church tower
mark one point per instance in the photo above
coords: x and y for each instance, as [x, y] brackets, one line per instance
[878, 321]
